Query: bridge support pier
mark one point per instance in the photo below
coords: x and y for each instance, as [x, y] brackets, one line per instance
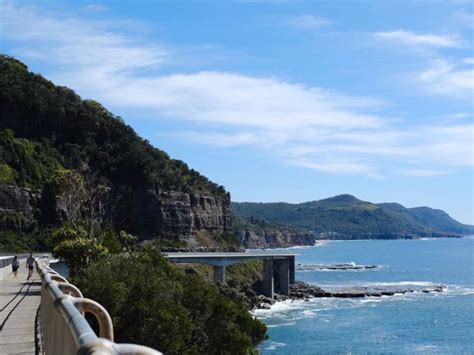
[283, 273]
[268, 285]
[292, 269]
[219, 274]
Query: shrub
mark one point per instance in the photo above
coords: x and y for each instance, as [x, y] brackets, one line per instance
[154, 303]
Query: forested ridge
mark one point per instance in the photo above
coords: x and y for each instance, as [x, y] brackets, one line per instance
[346, 217]
[61, 128]
[45, 128]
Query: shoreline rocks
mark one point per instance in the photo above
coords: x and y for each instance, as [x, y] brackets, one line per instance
[303, 291]
[337, 266]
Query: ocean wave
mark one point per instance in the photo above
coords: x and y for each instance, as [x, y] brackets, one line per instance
[459, 290]
[289, 312]
[274, 345]
[280, 325]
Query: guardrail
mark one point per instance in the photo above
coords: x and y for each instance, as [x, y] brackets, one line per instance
[6, 261]
[63, 325]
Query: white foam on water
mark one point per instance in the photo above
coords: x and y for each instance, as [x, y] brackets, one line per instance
[279, 307]
[459, 290]
[426, 347]
[403, 283]
[273, 345]
[309, 314]
[290, 311]
[370, 300]
[281, 325]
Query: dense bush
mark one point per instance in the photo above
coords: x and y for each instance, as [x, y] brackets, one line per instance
[21, 242]
[80, 134]
[24, 162]
[153, 302]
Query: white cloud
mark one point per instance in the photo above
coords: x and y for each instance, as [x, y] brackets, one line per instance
[448, 78]
[459, 116]
[308, 22]
[420, 40]
[95, 46]
[468, 61]
[464, 18]
[301, 125]
[424, 173]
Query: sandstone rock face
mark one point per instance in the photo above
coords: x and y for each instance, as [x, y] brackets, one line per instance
[14, 199]
[274, 238]
[146, 213]
[169, 213]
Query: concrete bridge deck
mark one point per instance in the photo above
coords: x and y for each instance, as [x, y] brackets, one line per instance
[19, 302]
[278, 268]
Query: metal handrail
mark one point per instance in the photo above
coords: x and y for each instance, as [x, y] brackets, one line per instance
[64, 328]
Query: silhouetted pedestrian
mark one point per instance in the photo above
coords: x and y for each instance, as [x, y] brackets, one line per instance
[30, 263]
[15, 266]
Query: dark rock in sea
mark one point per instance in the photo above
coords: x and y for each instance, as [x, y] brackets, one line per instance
[384, 290]
[303, 291]
[338, 266]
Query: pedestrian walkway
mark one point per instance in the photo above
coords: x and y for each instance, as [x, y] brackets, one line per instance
[19, 302]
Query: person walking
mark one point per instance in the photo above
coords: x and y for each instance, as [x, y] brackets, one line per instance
[30, 263]
[15, 266]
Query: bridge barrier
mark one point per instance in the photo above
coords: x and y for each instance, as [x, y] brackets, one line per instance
[63, 325]
[5, 268]
[5, 264]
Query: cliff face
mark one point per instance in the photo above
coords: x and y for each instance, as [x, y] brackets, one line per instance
[164, 214]
[14, 199]
[169, 213]
[259, 234]
[263, 239]
[45, 128]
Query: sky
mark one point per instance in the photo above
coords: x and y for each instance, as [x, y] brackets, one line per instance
[277, 100]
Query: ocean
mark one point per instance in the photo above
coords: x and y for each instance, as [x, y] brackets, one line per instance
[414, 323]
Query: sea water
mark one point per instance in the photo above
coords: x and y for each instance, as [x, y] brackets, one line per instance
[425, 323]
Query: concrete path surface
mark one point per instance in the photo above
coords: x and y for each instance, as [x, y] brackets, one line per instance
[19, 302]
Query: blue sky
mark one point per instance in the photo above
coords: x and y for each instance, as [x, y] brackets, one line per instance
[277, 100]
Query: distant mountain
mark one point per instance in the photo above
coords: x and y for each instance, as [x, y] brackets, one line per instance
[346, 217]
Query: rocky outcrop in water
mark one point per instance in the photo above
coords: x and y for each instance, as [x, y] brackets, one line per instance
[303, 291]
[334, 267]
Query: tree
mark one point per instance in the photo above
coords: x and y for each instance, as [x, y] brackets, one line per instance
[153, 302]
[85, 203]
[79, 251]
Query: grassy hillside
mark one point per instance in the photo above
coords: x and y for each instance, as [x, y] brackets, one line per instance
[345, 216]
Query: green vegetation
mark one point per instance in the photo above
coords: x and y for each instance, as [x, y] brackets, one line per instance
[18, 242]
[20, 234]
[24, 162]
[345, 216]
[44, 128]
[154, 303]
[60, 127]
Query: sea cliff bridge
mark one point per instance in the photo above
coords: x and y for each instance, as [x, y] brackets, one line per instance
[45, 314]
